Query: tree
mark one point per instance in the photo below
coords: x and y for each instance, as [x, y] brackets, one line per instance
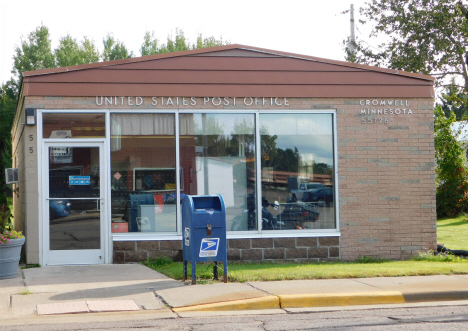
[114, 49]
[8, 96]
[208, 42]
[454, 100]
[150, 44]
[70, 53]
[452, 175]
[88, 52]
[34, 53]
[425, 36]
[178, 44]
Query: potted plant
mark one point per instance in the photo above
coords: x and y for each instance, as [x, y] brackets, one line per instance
[11, 242]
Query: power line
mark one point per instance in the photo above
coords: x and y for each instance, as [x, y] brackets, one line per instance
[366, 41]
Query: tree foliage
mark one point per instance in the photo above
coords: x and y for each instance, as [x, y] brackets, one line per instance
[114, 49]
[34, 53]
[177, 43]
[452, 174]
[150, 44]
[454, 100]
[70, 53]
[425, 36]
[8, 96]
[208, 42]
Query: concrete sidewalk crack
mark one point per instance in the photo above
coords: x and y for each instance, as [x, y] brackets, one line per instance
[161, 299]
[271, 294]
[259, 289]
[24, 281]
[357, 281]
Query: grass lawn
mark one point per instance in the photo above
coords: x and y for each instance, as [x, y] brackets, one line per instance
[453, 232]
[248, 272]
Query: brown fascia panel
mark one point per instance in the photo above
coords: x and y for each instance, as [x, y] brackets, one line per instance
[226, 90]
[228, 77]
[192, 54]
[259, 64]
[234, 63]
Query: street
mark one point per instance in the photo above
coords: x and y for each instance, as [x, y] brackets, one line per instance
[436, 316]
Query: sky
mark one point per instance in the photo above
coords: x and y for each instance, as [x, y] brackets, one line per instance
[308, 27]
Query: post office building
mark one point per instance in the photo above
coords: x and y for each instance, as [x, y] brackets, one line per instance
[315, 159]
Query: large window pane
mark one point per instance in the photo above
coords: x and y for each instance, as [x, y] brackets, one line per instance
[73, 125]
[217, 156]
[297, 171]
[143, 173]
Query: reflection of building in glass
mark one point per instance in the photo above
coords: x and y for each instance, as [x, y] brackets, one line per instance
[306, 164]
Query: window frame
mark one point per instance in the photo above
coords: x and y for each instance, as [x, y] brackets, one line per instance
[230, 234]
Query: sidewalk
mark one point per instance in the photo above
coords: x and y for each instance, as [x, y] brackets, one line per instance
[136, 289]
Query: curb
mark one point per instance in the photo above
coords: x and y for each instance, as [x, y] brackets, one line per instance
[340, 299]
[269, 302]
[327, 300]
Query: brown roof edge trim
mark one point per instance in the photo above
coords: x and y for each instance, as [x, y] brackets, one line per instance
[221, 48]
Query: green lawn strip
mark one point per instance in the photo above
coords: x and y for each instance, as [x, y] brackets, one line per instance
[288, 271]
[453, 232]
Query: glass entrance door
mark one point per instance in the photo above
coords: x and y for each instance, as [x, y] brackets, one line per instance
[74, 204]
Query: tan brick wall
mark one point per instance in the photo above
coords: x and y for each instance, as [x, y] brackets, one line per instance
[246, 250]
[386, 172]
[387, 182]
[25, 198]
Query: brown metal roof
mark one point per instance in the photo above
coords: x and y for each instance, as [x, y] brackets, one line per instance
[230, 71]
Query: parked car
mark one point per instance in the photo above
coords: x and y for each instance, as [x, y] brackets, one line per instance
[298, 195]
[59, 208]
[321, 195]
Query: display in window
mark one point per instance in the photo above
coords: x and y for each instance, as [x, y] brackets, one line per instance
[143, 174]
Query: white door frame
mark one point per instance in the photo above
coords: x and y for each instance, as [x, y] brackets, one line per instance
[92, 256]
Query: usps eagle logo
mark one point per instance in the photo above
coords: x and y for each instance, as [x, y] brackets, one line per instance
[209, 247]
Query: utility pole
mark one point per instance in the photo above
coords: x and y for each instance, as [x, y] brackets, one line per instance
[352, 41]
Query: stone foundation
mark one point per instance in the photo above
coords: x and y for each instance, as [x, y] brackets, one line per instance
[246, 250]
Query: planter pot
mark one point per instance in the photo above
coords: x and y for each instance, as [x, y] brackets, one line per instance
[10, 254]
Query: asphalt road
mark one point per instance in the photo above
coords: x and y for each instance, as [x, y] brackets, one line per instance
[434, 317]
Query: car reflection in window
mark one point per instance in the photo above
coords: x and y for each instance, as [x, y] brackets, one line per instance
[322, 196]
[59, 208]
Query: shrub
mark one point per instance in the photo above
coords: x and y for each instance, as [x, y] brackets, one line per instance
[452, 175]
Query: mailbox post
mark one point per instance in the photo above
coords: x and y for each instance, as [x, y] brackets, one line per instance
[204, 232]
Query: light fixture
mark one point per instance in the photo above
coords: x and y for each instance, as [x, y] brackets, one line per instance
[30, 116]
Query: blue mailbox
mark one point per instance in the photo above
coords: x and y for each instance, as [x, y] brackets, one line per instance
[204, 232]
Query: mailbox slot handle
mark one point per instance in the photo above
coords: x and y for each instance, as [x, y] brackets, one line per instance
[204, 227]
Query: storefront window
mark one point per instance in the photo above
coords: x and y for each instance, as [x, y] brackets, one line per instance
[217, 156]
[73, 125]
[297, 171]
[143, 175]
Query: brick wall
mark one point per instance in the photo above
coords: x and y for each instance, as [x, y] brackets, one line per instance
[386, 182]
[265, 249]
